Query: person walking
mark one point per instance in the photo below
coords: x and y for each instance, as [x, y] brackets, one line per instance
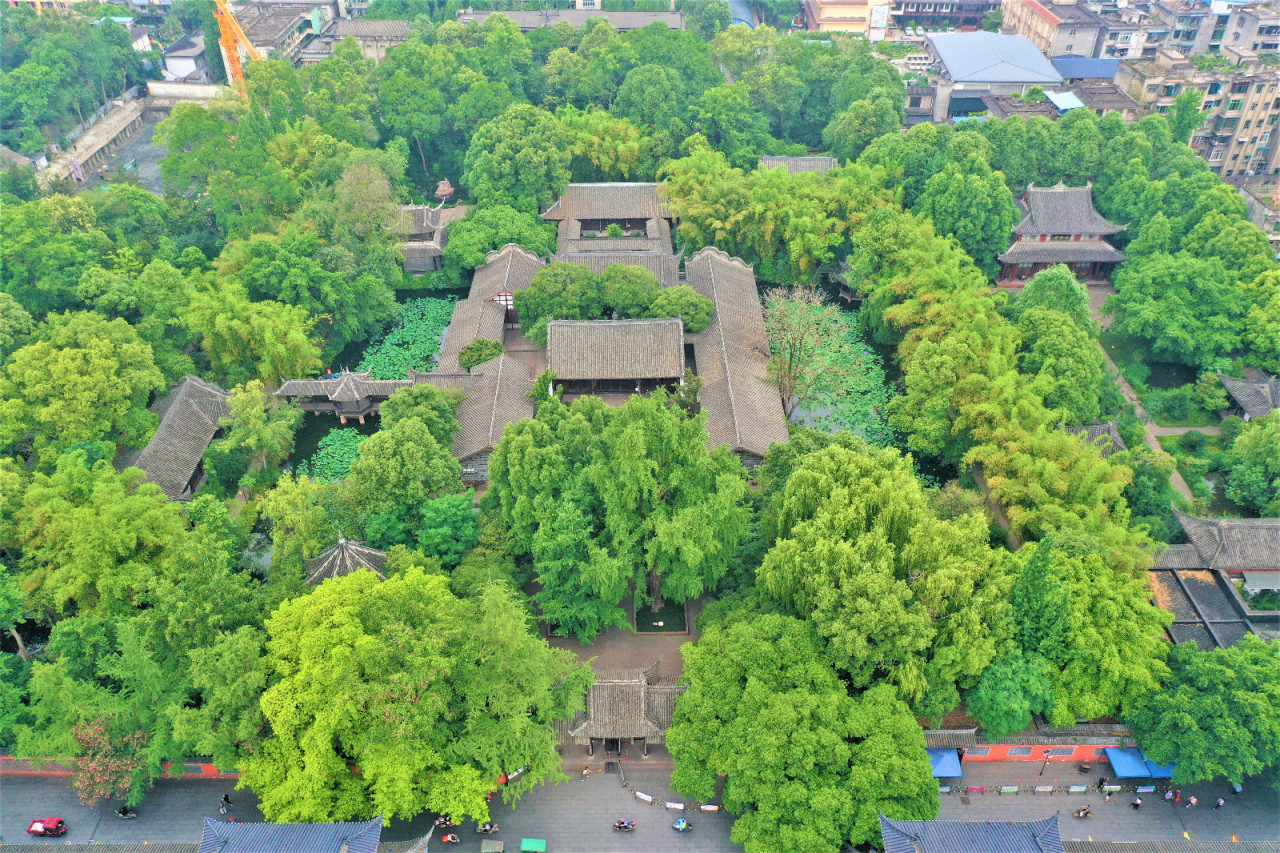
[1137, 803]
[1168, 796]
[1237, 789]
[1191, 801]
[1221, 803]
[1110, 794]
[1177, 795]
[1102, 782]
[224, 804]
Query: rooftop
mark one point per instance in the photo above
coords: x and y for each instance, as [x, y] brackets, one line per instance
[608, 201]
[626, 703]
[1085, 68]
[1106, 436]
[192, 44]
[344, 558]
[616, 349]
[1233, 544]
[954, 836]
[227, 837]
[795, 165]
[1258, 397]
[190, 416]
[992, 58]
[366, 28]
[1061, 209]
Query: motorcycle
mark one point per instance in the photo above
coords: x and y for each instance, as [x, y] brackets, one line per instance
[449, 838]
[682, 825]
[487, 829]
[625, 826]
[445, 823]
[126, 813]
[1082, 813]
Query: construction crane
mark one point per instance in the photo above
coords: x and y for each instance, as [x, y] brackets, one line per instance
[231, 39]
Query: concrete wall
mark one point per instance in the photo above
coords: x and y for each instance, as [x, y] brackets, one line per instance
[184, 91]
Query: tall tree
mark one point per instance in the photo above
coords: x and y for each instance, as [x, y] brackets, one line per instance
[766, 712]
[1216, 715]
[971, 203]
[261, 426]
[520, 159]
[1254, 459]
[813, 352]
[1057, 289]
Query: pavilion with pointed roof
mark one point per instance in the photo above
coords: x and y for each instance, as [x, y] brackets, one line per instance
[1256, 397]
[342, 559]
[1106, 436]
[1060, 225]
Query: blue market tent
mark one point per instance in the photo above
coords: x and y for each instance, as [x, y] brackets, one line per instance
[1131, 762]
[946, 763]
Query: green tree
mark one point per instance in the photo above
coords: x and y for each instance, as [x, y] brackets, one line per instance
[899, 595]
[684, 302]
[261, 426]
[766, 712]
[247, 340]
[487, 228]
[520, 159]
[403, 466]
[1055, 348]
[15, 324]
[435, 407]
[706, 18]
[628, 290]
[725, 116]
[812, 346]
[850, 132]
[559, 291]
[1186, 115]
[1013, 688]
[439, 697]
[478, 352]
[973, 204]
[1057, 289]
[83, 378]
[1216, 715]
[1254, 459]
[449, 528]
[45, 246]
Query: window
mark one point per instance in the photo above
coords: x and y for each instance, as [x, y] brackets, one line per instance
[1234, 104]
[1071, 31]
[1061, 238]
[1111, 37]
[1070, 48]
[1019, 750]
[1230, 172]
[977, 752]
[1100, 751]
[1240, 89]
[1062, 750]
[1215, 156]
[1265, 137]
[1215, 88]
[1248, 123]
[913, 102]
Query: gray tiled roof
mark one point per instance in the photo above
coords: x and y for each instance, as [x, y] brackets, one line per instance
[665, 267]
[742, 406]
[608, 201]
[506, 270]
[795, 165]
[220, 837]
[992, 58]
[616, 349]
[189, 418]
[344, 558]
[1179, 557]
[346, 387]
[368, 28]
[497, 393]
[956, 836]
[626, 703]
[1106, 436]
[1061, 209]
[1257, 397]
[1178, 846]
[1061, 251]
[1233, 544]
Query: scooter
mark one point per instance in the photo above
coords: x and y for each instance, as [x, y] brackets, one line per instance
[449, 838]
[487, 829]
[445, 823]
[126, 813]
[1084, 812]
[682, 825]
[625, 826]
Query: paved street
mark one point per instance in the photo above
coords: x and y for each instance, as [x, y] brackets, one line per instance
[1253, 815]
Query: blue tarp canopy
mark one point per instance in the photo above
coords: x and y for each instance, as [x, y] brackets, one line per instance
[1131, 762]
[946, 763]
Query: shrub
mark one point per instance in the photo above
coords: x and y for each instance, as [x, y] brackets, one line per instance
[478, 352]
[334, 454]
[614, 230]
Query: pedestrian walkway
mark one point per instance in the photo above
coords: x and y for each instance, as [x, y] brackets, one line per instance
[1253, 815]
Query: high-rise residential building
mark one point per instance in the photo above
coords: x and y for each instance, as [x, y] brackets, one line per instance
[1056, 28]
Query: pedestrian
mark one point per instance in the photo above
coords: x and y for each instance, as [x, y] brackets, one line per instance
[1110, 794]
[1221, 803]
[1237, 789]
[1191, 801]
[1137, 803]
[1168, 796]
[224, 803]
[1177, 795]
[1102, 782]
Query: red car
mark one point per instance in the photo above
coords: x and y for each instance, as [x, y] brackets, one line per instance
[48, 827]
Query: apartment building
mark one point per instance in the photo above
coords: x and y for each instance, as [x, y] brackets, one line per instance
[1242, 102]
[1056, 28]
[869, 18]
[942, 14]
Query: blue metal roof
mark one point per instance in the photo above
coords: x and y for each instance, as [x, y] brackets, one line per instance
[1131, 763]
[226, 837]
[945, 762]
[1085, 68]
[1064, 100]
[992, 58]
[740, 13]
[956, 836]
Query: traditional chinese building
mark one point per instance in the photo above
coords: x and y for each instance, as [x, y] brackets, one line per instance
[796, 165]
[190, 418]
[627, 356]
[1060, 226]
[1256, 398]
[425, 230]
[1106, 436]
[1246, 549]
[949, 836]
[233, 836]
[342, 559]
[625, 706]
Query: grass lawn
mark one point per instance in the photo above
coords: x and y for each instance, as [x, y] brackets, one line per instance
[670, 618]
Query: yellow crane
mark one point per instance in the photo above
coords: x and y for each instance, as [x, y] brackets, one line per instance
[231, 38]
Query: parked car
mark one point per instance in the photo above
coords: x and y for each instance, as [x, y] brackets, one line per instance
[48, 827]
